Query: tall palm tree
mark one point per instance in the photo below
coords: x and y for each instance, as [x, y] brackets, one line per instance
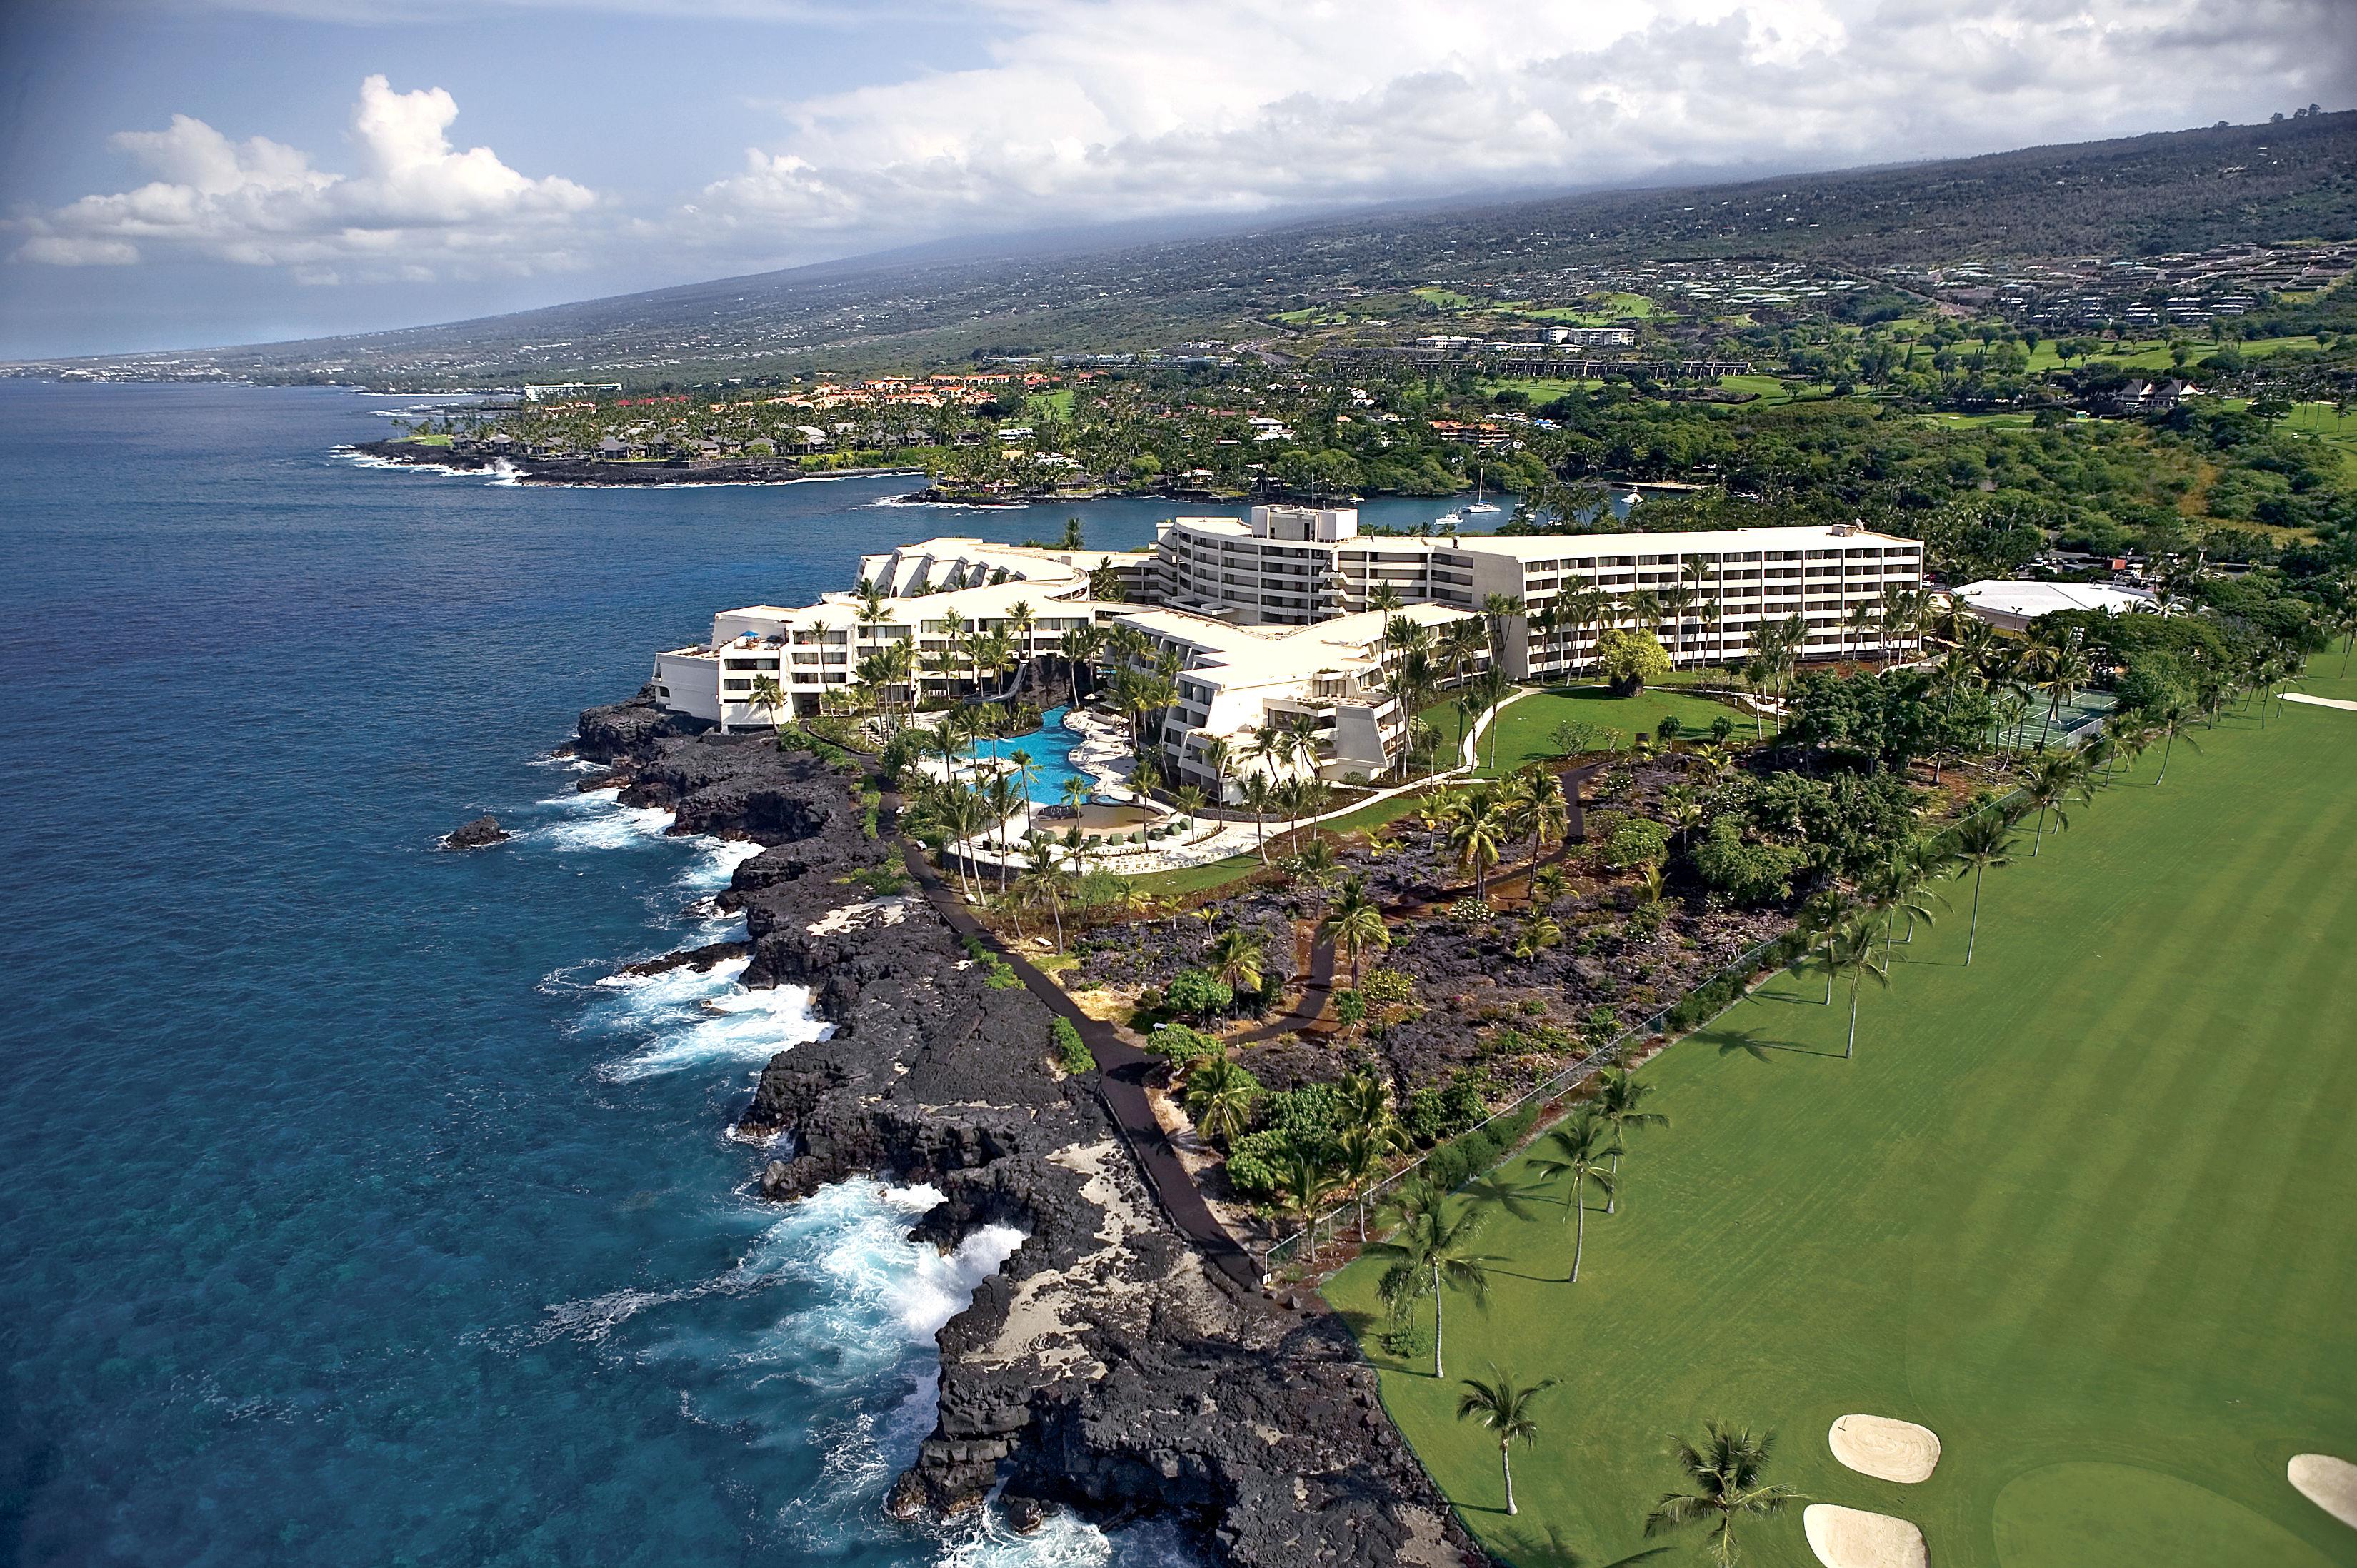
[2055, 781]
[1581, 1149]
[1725, 1472]
[1259, 797]
[1027, 770]
[1541, 809]
[1218, 757]
[1621, 1099]
[1045, 881]
[1432, 1254]
[1850, 951]
[1986, 841]
[1305, 1182]
[1355, 925]
[1503, 1406]
[1477, 831]
[2175, 721]
[768, 695]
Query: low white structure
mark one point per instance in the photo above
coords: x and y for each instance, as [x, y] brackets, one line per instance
[2012, 606]
[1233, 679]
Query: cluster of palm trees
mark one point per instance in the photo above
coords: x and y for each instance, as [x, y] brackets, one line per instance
[1480, 822]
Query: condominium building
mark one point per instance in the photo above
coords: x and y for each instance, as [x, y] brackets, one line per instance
[1295, 566]
[936, 591]
[1235, 680]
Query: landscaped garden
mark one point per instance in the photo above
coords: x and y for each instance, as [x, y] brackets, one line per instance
[2081, 1208]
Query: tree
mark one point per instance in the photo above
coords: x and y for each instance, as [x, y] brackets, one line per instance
[1630, 659]
[1503, 1406]
[1724, 1472]
[1620, 1104]
[2172, 722]
[1235, 957]
[1355, 925]
[1581, 1147]
[1539, 809]
[2055, 781]
[1432, 1254]
[769, 696]
[1477, 831]
[1259, 796]
[1305, 1182]
[1850, 950]
[1986, 841]
[1221, 1094]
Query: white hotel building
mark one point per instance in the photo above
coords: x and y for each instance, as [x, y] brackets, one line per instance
[1268, 615]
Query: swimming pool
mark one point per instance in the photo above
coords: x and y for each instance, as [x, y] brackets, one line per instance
[1050, 749]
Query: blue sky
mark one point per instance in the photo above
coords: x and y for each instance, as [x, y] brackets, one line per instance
[189, 172]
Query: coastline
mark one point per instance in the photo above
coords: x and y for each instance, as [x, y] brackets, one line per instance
[1104, 1368]
[599, 473]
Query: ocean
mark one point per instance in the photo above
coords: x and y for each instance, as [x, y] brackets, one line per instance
[354, 1212]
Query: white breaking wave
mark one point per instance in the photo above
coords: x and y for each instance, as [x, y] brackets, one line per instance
[717, 861]
[701, 1017]
[984, 1541]
[599, 820]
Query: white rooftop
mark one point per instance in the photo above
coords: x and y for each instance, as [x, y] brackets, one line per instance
[2029, 600]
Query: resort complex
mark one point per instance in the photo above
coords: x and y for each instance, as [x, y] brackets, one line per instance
[1290, 616]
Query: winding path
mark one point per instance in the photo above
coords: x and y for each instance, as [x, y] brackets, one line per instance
[1120, 1083]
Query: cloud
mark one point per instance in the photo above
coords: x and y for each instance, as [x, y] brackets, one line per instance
[1115, 109]
[417, 209]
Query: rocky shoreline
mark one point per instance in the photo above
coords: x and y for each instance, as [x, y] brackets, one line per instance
[1104, 1368]
[600, 471]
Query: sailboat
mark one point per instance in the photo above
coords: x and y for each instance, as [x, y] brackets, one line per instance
[1479, 504]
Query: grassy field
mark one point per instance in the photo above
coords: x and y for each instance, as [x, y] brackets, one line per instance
[2083, 1209]
[1526, 727]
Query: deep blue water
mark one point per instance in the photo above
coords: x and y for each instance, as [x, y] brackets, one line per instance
[346, 1217]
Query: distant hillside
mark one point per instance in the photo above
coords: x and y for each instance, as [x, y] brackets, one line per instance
[2135, 196]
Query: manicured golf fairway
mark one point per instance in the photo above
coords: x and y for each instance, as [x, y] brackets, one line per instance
[2087, 1209]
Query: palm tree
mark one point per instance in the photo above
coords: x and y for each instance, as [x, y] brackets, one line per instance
[1027, 772]
[1620, 1105]
[1541, 809]
[2175, 721]
[1235, 957]
[1581, 1147]
[1503, 1406]
[1189, 800]
[1306, 1183]
[1477, 833]
[1044, 881]
[1724, 1471]
[1354, 925]
[1548, 885]
[1432, 1254]
[1986, 841]
[1218, 757]
[1221, 1094]
[768, 695]
[2055, 781]
[1259, 797]
[1850, 950]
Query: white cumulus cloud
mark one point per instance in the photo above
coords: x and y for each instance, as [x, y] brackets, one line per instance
[1115, 109]
[415, 208]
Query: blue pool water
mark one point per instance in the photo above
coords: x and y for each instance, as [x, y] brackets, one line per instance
[352, 1215]
[1050, 747]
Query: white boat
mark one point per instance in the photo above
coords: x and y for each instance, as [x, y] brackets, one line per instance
[1631, 499]
[1448, 519]
[1482, 505]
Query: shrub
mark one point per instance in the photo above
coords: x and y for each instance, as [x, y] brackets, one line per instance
[1574, 736]
[1180, 1046]
[881, 880]
[1470, 910]
[1349, 1006]
[1637, 841]
[1198, 994]
[1457, 1162]
[1721, 727]
[1602, 1026]
[1072, 1052]
[1669, 727]
[1386, 986]
[1750, 873]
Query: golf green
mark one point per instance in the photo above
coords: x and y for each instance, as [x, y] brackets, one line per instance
[2086, 1209]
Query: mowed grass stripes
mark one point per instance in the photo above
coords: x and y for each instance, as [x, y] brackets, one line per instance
[2087, 1209]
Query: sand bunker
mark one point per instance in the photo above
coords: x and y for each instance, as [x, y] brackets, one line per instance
[1851, 1538]
[2330, 1484]
[1886, 1449]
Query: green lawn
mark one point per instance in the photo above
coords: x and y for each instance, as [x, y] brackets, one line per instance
[2084, 1209]
[1525, 729]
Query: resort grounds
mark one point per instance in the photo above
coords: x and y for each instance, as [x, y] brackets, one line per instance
[2087, 1209]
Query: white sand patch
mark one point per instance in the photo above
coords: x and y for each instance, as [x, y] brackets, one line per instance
[1886, 1449]
[2329, 1483]
[2319, 702]
[1852, 1538]
[858, 917]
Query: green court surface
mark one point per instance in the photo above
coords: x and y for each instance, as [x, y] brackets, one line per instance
[2087, 1209]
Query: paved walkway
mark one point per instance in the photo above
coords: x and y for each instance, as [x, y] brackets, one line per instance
[2318, 701]
[1120, 1082]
